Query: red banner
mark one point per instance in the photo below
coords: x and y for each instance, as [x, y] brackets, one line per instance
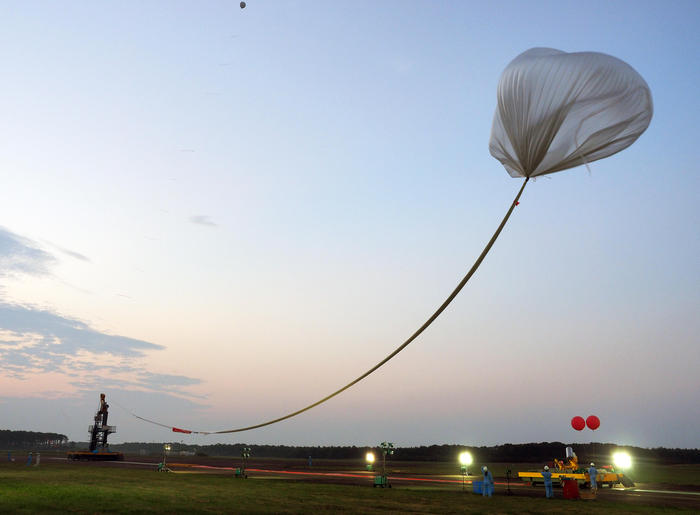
[178, 430]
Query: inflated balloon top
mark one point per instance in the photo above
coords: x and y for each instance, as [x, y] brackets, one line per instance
[558, 110]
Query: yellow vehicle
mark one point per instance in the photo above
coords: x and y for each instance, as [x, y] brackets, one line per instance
[570, 469]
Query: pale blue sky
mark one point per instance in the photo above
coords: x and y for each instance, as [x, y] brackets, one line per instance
[246, 209]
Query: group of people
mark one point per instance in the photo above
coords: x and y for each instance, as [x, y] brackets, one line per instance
[487, 485]
[37, 459]
[547, 475]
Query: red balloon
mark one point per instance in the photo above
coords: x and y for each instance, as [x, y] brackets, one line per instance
[578, 423]
[593, 422]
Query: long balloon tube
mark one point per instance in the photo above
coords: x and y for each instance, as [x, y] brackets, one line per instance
[137, 416]
[401, 347]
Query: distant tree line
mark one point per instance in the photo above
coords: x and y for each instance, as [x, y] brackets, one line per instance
[31, 440]
[543, 452]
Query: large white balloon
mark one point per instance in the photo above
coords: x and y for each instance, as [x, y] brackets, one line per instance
[558, 110]
[555, 111]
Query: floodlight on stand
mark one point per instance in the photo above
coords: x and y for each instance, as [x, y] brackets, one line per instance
[387, 449]
[369, 457]
[162, 466]
[622, 460]
[240, 472]
[465, 459]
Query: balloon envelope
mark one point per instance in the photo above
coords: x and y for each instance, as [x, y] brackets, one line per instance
[578, 423]
[558, 110]
[593, 422]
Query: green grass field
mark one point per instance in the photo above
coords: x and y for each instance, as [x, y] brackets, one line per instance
[60, 487]
[684, 475]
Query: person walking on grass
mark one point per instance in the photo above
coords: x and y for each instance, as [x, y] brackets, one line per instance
[547, 475]
[593, 476]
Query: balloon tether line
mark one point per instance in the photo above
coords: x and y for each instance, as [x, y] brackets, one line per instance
[415, 335]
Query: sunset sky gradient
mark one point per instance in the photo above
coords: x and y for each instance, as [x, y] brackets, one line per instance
[217, 216]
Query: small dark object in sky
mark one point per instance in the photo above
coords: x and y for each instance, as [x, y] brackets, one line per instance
[242, 5]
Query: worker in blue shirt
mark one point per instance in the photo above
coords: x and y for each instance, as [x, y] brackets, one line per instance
[487, 490]
[593, 475]
[547, 475]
